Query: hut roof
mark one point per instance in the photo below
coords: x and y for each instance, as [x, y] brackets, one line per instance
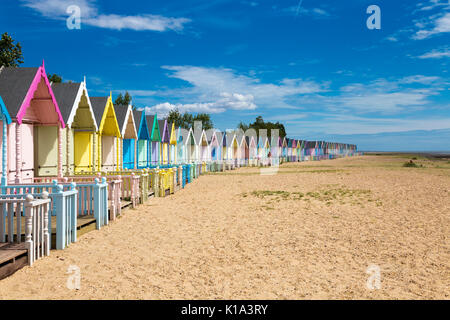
[99, 105]
[14, 86]
[66, 94]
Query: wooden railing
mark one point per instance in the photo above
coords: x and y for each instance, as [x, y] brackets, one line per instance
[36, 228]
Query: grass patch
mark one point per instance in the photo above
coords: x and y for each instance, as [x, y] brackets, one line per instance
[329, 195]
[412, 164]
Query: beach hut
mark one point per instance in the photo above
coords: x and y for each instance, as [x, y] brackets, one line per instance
[81, 126]
[201, 143]
[214, 141]
[252, 149]
[233, 148]
[108, 134]
[243, 155]
[128, 131]
[155, 140]
[285, 149]
[299, 150]
[224, 146]
[294, 150]
[274, 149]
[173, 144]
[34, 146]
[181, 147]
[190, 147]
[164, 133]
[143, 139]
[263, 146]
[5, 120]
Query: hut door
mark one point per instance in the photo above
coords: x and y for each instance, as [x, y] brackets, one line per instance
[108, 152]
[46, 151]
[82, 143]
[142, 153]
[128, 153]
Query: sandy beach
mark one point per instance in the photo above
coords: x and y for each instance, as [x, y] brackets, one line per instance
[308, 232]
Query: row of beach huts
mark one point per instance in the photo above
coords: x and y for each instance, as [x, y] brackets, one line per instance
[70, 161]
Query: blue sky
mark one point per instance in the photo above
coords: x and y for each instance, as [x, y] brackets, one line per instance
[312, 65]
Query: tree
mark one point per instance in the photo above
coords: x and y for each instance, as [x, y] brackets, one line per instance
[187, 120]
[205, 119]
[175, 117]
[54, 78]
[261, 124]
[121, 99]
[10, 53]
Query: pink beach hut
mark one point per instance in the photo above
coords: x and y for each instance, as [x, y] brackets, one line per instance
[34, 136]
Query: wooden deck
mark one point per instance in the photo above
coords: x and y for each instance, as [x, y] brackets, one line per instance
[12, 258]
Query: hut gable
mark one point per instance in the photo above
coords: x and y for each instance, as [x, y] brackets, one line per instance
[22, 88]
[75, 105]
[152, 123]
[126, 121]
[104, 110]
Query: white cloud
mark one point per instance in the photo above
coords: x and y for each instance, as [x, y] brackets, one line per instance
[419, 79]
[349, 124]
[432, 4]
[303, 11]
[380, 96]
[138, 23]
[228, 101]
[436, 54]
[56, 9]
[440, 24]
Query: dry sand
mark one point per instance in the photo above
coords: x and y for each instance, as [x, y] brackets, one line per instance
[218, 240]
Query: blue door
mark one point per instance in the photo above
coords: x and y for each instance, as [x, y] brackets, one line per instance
[128, 153]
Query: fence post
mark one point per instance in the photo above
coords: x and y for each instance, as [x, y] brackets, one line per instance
[60, 212]
[74, 211]
[105, 202]
[97, 204]
[133, 190]
[156, 183]
[29, 228]
[46, 233]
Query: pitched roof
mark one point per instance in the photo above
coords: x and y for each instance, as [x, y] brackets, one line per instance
[198, 135]
[209, 135]
[65, 95]
[137, 118]
[121, 114]
[14, 86]
[98, 105]
[162, 134]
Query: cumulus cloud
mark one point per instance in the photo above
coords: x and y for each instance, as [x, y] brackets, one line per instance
[436, 54]
[228, 101]
[439, 24]
[90, 15]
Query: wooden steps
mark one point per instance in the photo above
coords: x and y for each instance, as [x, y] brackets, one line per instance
[13, 257]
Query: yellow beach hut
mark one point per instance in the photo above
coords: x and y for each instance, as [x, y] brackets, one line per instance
[108, 134]
[81, 127]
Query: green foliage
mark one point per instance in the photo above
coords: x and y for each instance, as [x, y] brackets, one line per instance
[187, 120]
[54, 78]
[123, 99]
[412, 164]
[10, 53]
[261, 124]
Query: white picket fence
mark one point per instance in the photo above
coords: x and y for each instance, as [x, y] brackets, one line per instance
[36, 231]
